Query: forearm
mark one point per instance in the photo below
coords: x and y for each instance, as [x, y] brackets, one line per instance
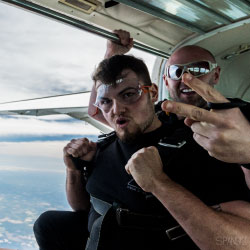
[77, 196]
[92, 110]
[209, 229]
[109, 53]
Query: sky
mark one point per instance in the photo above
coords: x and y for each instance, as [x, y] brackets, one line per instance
[40, 57]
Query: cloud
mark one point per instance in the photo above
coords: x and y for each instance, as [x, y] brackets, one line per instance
[51, 149]
[53, 59]
[42, 204]
[33, 126]
[16, 169]
[4, 240]
[30, 213]
[7, 219]
[46, 61]
[28, 219]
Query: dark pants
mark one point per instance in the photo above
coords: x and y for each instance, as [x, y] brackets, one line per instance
[61, 230]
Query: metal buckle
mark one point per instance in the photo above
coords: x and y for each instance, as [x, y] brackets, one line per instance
[175, 233]
[178, 145]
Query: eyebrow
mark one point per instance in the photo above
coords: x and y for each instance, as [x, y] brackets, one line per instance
[104, 98]
[127, 88]
[122, 75]
[119, 93]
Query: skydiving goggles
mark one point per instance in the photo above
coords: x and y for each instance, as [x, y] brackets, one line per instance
[197, 69]
[129, 92]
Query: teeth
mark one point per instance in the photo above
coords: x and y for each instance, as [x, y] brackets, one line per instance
[187, 90]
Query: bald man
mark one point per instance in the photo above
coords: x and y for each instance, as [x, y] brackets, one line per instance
[197, 61]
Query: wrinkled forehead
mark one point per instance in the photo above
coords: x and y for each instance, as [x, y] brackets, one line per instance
[121, 83]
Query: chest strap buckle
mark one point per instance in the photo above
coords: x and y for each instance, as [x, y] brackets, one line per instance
[175, 233]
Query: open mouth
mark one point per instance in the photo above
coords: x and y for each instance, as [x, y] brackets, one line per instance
[187, 91]
[121, 122]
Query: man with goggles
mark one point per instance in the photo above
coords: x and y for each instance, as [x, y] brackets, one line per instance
[197, 69]
[195, 61]
[224, 134]
[130, 92]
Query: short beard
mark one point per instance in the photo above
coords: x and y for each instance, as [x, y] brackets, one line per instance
[130, 138]
[201, 103]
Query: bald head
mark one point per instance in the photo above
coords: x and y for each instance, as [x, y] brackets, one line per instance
[190, 53]
[185, 55]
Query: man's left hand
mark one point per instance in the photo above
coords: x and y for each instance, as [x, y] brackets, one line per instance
[146, 167]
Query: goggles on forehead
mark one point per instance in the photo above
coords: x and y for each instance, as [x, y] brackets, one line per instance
[126, 96]
[197, 69]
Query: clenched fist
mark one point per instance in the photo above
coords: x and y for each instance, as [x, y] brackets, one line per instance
[146, 168]
[78, 148]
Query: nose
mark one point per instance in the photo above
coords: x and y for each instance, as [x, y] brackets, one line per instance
[117, 107]
[185, 70]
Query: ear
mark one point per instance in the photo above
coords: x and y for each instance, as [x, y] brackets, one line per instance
[217, 74]
[154, 92]
[165, 80]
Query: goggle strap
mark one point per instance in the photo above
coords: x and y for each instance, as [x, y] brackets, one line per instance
[96, 112]
[145, 89]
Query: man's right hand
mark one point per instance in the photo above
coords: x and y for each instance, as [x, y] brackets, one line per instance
[78, 148]
[224, 133]
[114, 48]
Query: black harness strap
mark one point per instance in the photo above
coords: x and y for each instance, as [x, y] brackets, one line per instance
[128, 219]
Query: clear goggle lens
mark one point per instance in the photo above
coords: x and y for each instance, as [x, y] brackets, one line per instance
[128, 95]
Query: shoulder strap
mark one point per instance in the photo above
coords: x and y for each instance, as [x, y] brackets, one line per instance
[106, 139]
[103, 141]
[245, 109]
